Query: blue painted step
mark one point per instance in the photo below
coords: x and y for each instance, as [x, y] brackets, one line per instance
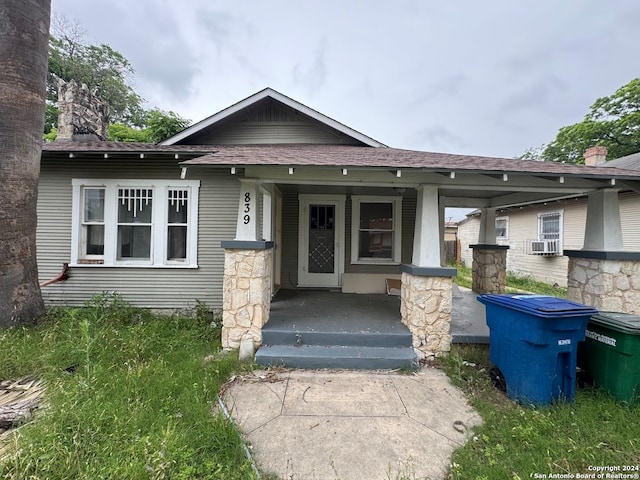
[287, 336]
[337, 356]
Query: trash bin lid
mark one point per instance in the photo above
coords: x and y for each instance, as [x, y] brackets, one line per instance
[539, 305]
[623, 322]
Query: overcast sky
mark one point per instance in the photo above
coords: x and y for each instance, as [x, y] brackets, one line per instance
[491, 77]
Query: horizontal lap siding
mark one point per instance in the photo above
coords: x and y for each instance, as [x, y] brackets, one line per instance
[268, 133]
[468, 233]
[146, 287]
[290, 220]
[630, 218]
[523, 226]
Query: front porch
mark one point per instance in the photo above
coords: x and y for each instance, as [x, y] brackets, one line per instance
[329, 329]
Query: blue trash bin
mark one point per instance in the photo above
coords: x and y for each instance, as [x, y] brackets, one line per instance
[533, 341]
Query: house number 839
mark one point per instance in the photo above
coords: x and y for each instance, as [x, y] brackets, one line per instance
[247, 207]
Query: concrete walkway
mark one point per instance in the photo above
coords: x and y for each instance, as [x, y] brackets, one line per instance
[351, 425]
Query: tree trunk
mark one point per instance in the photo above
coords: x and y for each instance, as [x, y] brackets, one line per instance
[24, 39]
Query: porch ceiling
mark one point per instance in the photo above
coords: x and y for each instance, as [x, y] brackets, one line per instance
[464, 181]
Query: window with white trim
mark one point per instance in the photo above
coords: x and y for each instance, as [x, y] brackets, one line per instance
[502, 228]
[138, 223]
[549, 241]
[549, 226]
[376, 229]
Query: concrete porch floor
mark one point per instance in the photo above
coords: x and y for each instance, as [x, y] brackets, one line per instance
[330, 311]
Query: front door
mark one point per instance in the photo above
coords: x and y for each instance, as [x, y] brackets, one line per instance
[321, 240]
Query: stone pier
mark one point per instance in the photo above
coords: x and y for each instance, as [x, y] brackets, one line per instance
[425, 306]
[489, 270]
[608, 281]
[246, 293]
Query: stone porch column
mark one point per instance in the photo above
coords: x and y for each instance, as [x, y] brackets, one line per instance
[489, 269]
[608, 281]
[425, 307]
[246, 295]
[425, 299]
[603, 275]
[248, 262]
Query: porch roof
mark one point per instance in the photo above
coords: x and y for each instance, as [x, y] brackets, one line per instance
[340, 156]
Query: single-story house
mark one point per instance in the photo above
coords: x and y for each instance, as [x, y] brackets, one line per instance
[271, 194]
[538, 233]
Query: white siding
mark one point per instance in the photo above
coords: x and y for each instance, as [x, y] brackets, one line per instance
[523, 226]
[468, 234]
[630, 218]
[146, 287]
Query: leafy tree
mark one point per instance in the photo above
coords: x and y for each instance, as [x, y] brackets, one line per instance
[107, 71]
[119, 132]
[24, 31]
[161, 124]
[612, 121]
[99, 66]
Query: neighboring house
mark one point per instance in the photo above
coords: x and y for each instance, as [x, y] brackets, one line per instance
[450, 231]
[267, 194]
[538, 233]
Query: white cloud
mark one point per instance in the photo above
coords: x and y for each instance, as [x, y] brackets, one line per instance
[488, 78]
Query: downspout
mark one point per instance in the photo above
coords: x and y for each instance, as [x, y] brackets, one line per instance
[62, 276]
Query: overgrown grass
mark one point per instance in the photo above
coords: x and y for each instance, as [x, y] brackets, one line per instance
[516, 442]
[515, 283]
[128, 396]
[526, 283]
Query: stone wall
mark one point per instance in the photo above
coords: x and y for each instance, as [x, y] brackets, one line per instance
[246, 295]
[489, 270]
[426, 309]
[608, 285]
[81, 112]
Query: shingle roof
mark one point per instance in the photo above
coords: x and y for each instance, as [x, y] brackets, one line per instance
[100, 146]
[630, 162]
[393, 158]
[341, 156]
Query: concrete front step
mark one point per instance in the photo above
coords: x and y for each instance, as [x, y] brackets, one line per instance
[287, 336]
[337, 356]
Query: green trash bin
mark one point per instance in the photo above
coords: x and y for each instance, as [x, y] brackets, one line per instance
[610, 354]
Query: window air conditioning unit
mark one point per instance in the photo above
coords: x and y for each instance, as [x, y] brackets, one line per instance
[545, 247]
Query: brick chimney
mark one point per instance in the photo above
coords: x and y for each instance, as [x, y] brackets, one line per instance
[81, 114]
[595, 156]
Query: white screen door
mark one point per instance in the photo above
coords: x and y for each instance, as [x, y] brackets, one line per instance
[321, 240]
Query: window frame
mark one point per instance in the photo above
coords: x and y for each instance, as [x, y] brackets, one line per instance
[559, 214]
[84, 223]
[506, 235]
[396, 202]
[159, 225]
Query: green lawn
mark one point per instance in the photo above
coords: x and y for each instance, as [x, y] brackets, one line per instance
[138, 402]
[129, 395]
[515, 283]
[516, 442]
